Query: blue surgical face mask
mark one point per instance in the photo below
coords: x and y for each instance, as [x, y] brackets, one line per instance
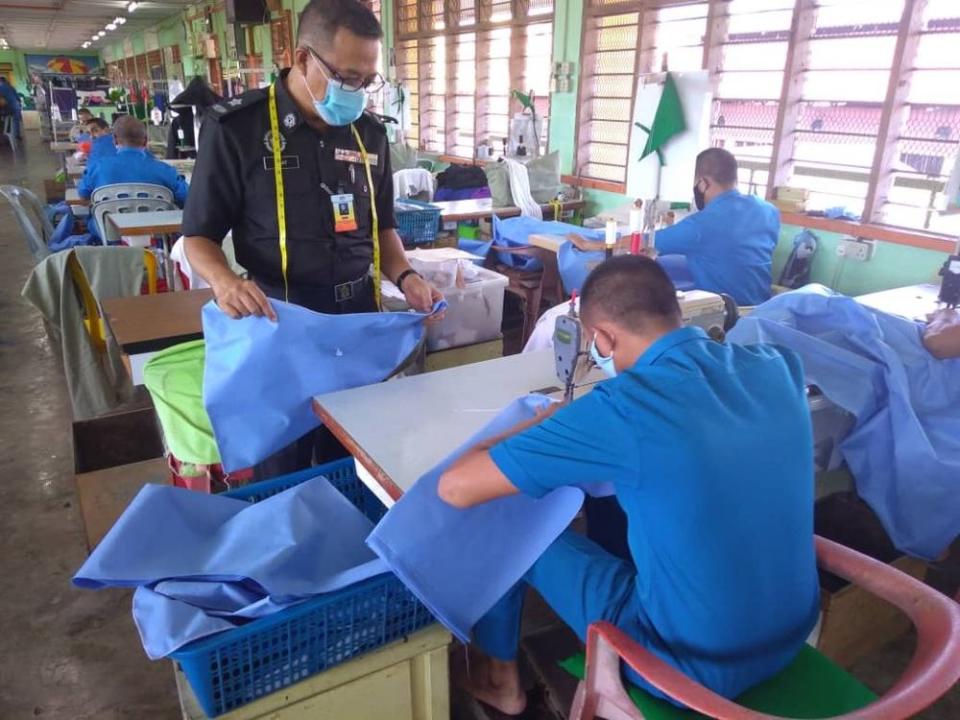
[604, 363]
[339, 107]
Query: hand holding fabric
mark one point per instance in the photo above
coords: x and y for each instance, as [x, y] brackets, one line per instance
[422, 297]
[240, 298]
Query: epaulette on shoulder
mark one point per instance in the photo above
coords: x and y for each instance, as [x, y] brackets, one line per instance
[228, 108]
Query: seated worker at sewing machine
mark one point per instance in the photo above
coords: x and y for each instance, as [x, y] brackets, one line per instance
[132, 163]
[708, 448]
[726, 247]
[101, 143]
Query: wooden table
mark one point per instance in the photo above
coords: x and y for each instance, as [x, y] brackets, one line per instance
[145, 324]
[913, 302]
[400, 429]
[547, 242]
[482, 209]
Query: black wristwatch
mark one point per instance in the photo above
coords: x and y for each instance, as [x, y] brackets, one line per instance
[403, 276]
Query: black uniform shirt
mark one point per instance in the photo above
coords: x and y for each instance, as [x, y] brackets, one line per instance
[232, 188]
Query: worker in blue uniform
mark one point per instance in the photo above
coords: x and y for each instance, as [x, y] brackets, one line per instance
[131, 164]
[10, 105]
[708, 448]
[101, 144]
[726, 247]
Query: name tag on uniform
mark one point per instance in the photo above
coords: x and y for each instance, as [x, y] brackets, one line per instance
[354, 156]
[344, 218]
[287, 162]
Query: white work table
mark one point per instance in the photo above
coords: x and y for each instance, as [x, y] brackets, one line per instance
[161, 222]
[400, 429]
[913, 302]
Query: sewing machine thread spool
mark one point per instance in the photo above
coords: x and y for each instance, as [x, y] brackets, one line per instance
[636, 227]
[611, 237]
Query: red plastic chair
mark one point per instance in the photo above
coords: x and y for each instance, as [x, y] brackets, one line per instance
[934, 669]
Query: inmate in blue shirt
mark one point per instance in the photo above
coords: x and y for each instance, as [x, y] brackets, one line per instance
[728, 245]
[709, 448]
[100, 148]
[132, 165]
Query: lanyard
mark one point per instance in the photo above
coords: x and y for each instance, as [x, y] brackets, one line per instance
[281, 202]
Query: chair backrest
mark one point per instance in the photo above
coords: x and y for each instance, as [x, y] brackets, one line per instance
[128, 191]
[105, 208]
[31, 218]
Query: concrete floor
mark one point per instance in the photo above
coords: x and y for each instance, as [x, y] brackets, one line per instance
[71, 654]
[64, 653]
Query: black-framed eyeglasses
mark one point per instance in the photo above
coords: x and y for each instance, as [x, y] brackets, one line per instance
[371, 84]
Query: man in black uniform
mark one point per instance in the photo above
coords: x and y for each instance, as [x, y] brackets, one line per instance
[329, 151]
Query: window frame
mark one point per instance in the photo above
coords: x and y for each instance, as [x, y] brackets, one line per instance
[880, 177]
[479, 33]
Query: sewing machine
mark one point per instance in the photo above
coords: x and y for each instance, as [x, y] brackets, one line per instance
[950, 285]
[715, 314]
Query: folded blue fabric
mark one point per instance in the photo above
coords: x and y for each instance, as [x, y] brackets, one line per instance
[904, 450]
[260, 376]
[459, 563]
[305, 541]
[516, 232]
[206, 563]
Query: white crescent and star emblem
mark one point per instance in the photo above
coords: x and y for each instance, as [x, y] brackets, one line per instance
[289, 121]
[219, 108]
[236, 102]
[268, 142]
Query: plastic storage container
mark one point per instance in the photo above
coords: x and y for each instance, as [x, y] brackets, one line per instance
[474, 313]
[233, 668]
[417, 222]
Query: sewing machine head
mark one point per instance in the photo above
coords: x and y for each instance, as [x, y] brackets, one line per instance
[950, 285]
[714, 313]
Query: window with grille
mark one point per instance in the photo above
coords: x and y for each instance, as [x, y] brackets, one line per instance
[459, 60]
[872, 113]
[620, 41]
[748, 66]
[929, 139]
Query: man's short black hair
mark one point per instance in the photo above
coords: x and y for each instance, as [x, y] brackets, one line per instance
[99, 123]
[717, 164]
[632, 291]
[321, 19]
[84, 111]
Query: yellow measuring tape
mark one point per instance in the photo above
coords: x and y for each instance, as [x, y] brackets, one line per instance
[281, 202]
[278, 183]
[373, 213]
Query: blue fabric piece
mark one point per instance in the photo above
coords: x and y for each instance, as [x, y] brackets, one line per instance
[72, 241]
[708, 448]
[479, 248]
[131, 165]
[459, 563]
[203, 563]
[62, 231]
[729, 246]
[56, 212]
[840, 213]
[575, 265]
[515, 232]
[260, 376]
[679, 271]
[904, 450]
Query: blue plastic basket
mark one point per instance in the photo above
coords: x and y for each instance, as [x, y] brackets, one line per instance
[419, 226]
[233, 668]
